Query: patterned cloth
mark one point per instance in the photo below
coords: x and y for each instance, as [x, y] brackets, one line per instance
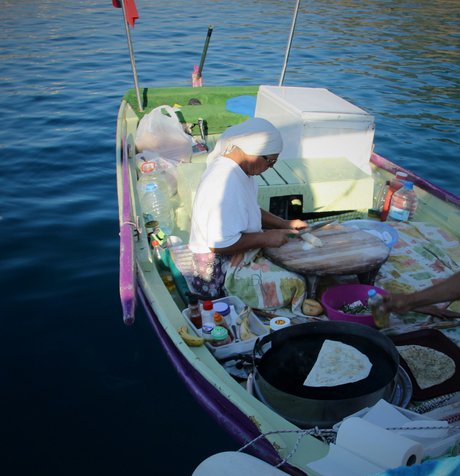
[208, 272]
[262, 284]
[423, 256]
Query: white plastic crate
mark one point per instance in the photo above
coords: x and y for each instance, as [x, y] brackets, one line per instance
[234, 348]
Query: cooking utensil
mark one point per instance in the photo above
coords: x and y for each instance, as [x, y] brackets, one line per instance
[314, 227]
[288, 355]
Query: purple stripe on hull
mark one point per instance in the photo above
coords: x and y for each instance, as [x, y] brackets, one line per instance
[227, 415]
[127, 267]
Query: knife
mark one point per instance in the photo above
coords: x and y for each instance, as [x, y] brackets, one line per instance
[314, 227]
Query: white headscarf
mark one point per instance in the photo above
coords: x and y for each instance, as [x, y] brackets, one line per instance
[256, 136]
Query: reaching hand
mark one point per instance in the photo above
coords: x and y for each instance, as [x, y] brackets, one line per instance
[398, 303]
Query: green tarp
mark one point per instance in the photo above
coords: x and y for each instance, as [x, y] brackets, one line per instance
[212, 110]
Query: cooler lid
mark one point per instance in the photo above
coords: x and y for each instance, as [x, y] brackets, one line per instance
[311, 100]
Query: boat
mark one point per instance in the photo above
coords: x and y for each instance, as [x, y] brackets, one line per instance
[159, 283]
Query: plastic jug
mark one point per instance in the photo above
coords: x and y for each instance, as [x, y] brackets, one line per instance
[404, 203]
[156, 205]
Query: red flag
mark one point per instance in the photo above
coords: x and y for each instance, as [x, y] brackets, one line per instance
[130, 10]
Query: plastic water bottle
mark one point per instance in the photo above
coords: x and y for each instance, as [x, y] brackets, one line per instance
[404, 203]
[156, 205]
[381, 319]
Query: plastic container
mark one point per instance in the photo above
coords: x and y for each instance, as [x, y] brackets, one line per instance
[381, 318]
[220, 337]
[161, 167]
[223, 309]
[376, 226]
[221, 322]
[404, 203]
[238, 346]
[278, 323]
[316, 123]
[207, 319]
[195, 312]
[156, 205]
[334, 298]
[393, 185]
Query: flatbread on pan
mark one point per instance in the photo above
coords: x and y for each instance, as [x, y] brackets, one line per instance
[428, 366]
[338, 364]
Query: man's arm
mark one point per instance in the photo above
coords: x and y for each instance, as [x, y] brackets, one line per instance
[444, 291]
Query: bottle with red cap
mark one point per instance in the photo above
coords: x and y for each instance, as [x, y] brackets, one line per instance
[393, 186]
[207, 319]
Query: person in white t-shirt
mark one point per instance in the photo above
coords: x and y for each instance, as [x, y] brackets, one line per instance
[226, 219]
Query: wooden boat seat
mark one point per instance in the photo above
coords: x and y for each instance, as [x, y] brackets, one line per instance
[333, 184]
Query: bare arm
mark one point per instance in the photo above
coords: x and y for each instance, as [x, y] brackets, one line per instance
[252, 241]
[444, 291]
[274, 237]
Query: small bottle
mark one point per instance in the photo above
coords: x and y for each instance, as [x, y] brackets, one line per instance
[221, 322]
[394, 185]
[194, 312]
[381, 318]
[278, 323]
[207, 319]
[220, 336]
[404, 203]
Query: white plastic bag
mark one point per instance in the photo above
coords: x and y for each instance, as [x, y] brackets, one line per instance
[164, 135]
[148, 161]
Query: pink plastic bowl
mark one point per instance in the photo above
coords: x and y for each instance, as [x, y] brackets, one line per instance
[334, 298]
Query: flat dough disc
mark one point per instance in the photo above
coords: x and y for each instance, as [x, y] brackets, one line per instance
[428, 366]
[338, 364]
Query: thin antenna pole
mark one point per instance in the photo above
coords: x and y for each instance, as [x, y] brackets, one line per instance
[131, 54]
[288, 48]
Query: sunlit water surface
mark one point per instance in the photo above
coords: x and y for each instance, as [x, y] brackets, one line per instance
[81, 393]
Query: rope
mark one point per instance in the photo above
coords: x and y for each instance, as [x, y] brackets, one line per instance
[129, 223]
[327, 436]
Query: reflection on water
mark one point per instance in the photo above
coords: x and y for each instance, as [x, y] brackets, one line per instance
[104, 396]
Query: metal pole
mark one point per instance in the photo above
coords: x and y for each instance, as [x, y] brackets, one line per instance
[205, 50]
[288, 48]
[131, 54]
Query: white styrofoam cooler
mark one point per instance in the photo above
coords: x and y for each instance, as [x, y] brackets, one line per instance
[316, 123]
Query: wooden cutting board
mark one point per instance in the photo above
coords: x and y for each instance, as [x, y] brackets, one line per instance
[345, 251]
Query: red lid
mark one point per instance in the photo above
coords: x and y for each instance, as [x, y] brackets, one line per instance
[207, 305]
[155, 243]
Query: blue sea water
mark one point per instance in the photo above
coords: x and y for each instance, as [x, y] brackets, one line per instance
[80, 392]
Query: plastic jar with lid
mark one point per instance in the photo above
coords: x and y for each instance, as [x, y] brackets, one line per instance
[222, 308]
[278, 323]
[220, 337]
[221, 322]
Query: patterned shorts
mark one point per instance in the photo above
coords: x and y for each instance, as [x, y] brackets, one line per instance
[208, 273]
